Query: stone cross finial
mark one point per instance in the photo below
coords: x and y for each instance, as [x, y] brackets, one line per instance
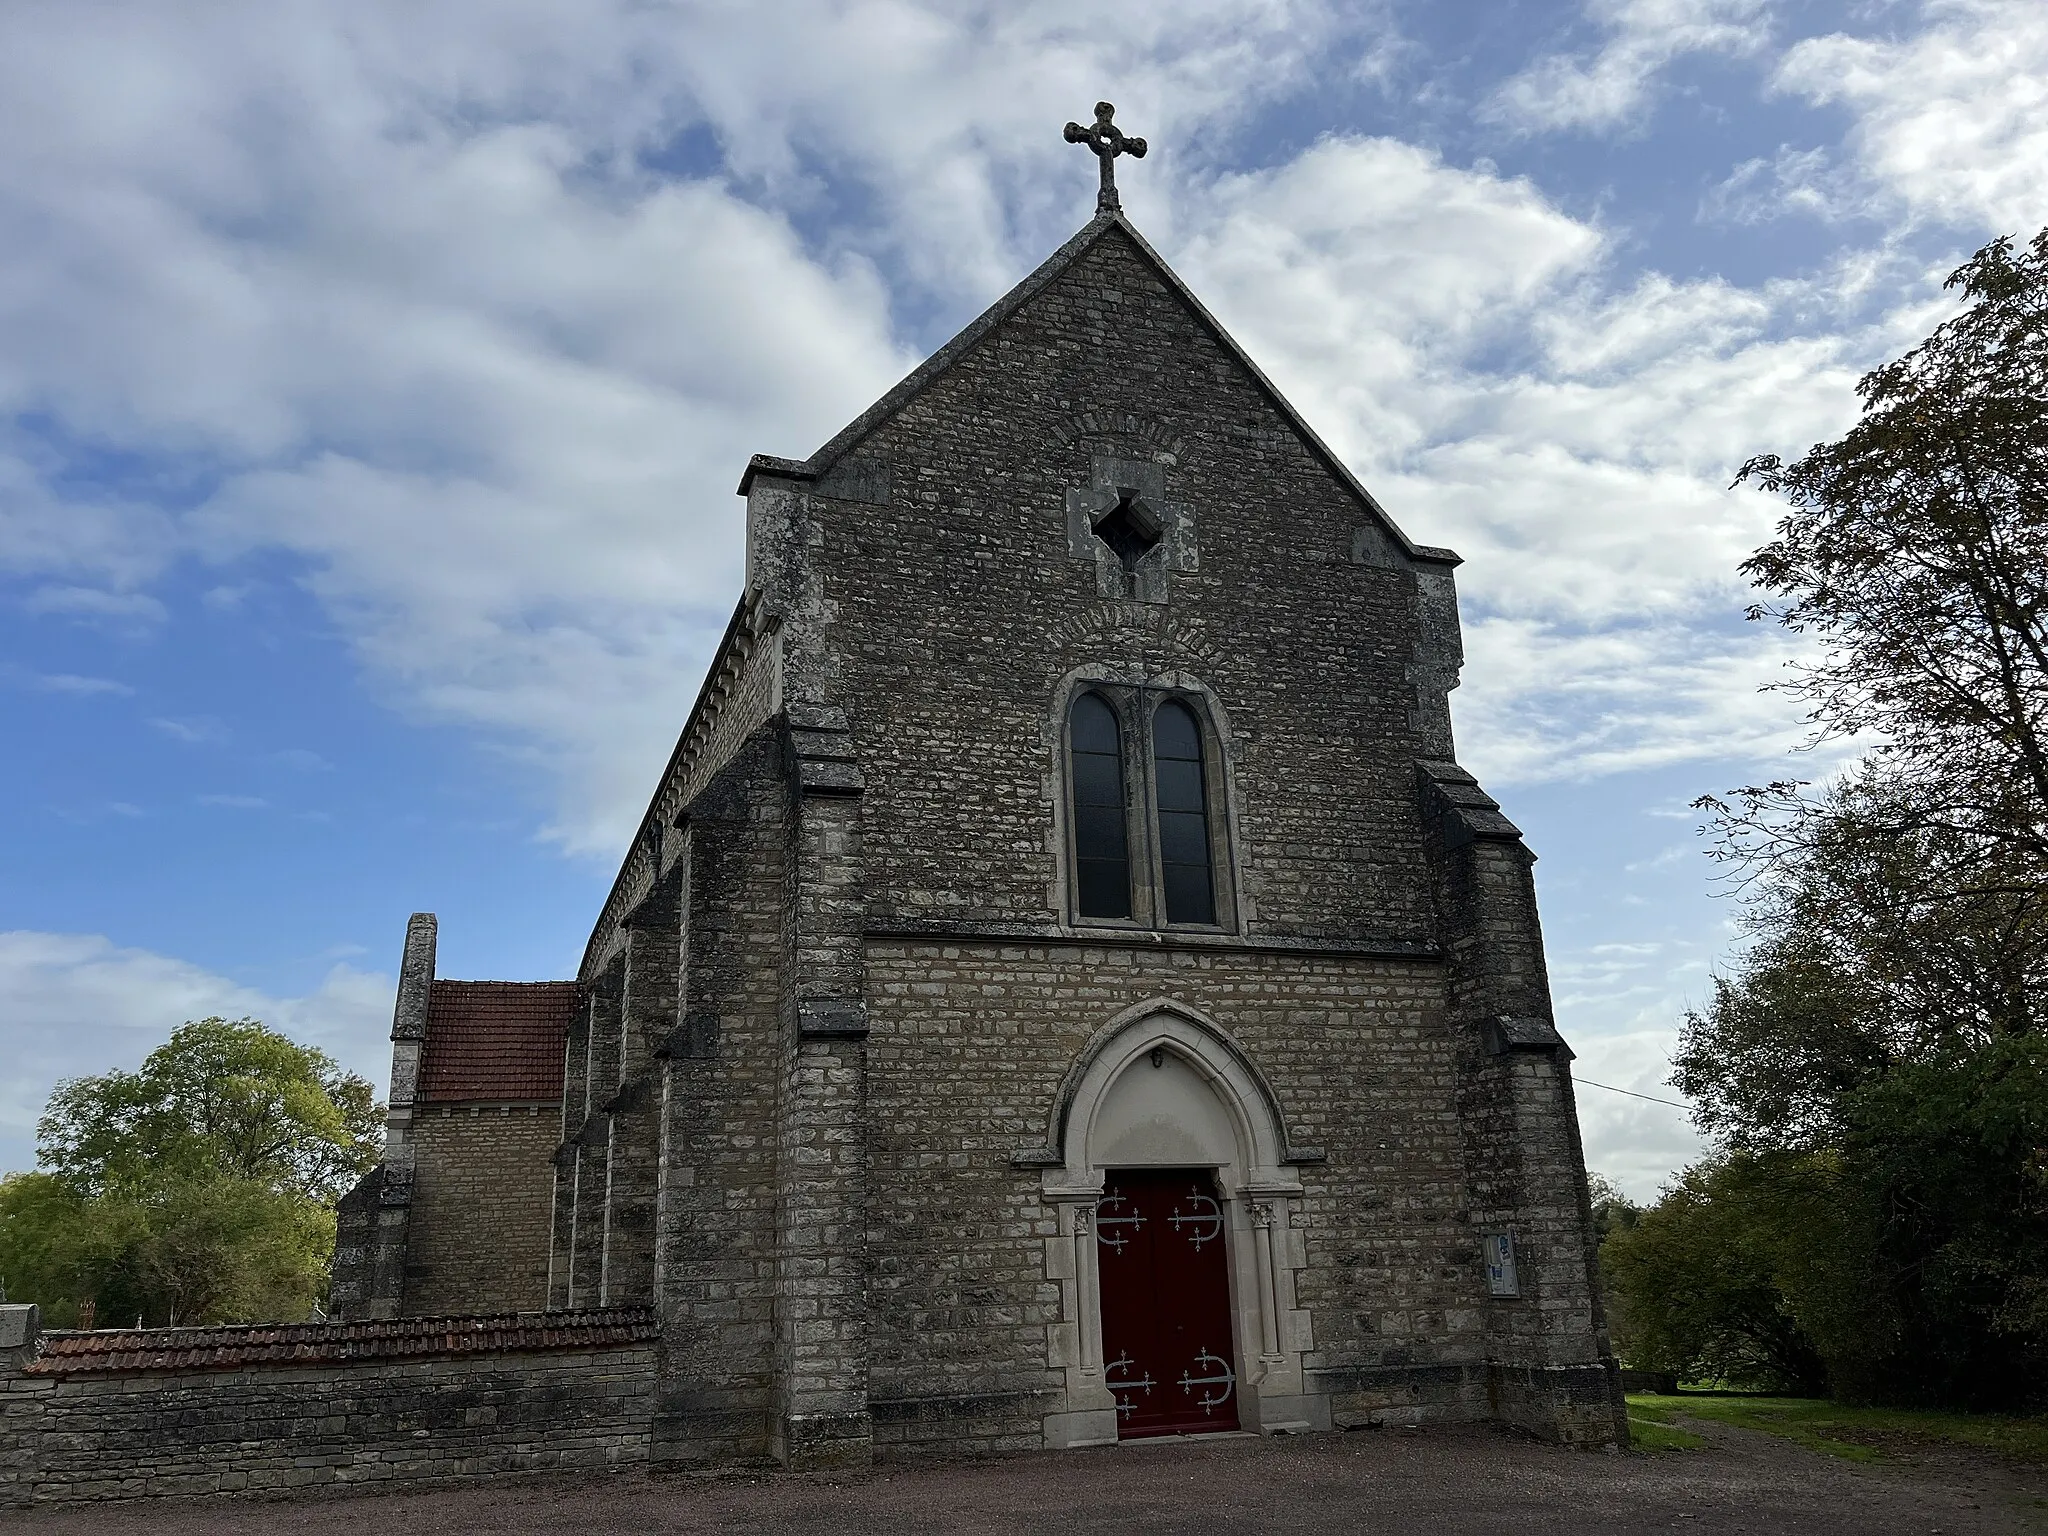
[1108, 141]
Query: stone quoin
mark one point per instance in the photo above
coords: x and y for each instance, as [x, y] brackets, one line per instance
[1065, 867]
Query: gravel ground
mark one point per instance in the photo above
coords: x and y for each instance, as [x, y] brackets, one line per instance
[1441, 1482]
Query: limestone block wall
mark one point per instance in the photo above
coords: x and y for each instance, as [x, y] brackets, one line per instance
[958, 604]
[483, 1177]
[74, 1431]
[969, 1046]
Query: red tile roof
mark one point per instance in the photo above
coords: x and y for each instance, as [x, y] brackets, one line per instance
[235, 1346]
[495, 1041]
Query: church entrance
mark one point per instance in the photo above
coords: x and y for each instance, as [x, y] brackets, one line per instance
[1165, 1289]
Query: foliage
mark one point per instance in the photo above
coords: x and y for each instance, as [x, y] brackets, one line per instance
[197, 1189]
[1949, 1158]
[1611, 1208]
[1916, 554]
[1695, 1282]
[179, 1252]
[1877, 1073]
[1882, 1041]
[1876, 1067]
[221, 1099]
[1862, 963]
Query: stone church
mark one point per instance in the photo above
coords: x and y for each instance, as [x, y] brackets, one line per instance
[1063, 988]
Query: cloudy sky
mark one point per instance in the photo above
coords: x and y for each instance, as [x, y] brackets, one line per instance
[374, 379]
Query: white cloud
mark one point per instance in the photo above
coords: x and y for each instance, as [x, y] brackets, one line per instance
[1951, 121]
[73, 1004]
[1802, 181]
[195, 731]
[1610, 88]
[80, 687]
[1633, 1141]
[476, 314]
[89, 605]
[81, 536]
[1618, 1004]
[1547, 700]
[399, 292]
[494, 380]
[1458, 338]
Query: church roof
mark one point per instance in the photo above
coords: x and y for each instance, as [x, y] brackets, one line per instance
[934, 367]
[495, 1041]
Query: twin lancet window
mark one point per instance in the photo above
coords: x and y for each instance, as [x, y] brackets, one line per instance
[1178, 868]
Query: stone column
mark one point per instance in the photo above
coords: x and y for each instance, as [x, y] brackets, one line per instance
[1087, 1416]
[718, 1252]
[647, 1016]
[593, 1139]
[575, 1108]
[822, 1336]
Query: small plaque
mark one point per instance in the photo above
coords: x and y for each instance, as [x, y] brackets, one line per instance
[1500, 1264]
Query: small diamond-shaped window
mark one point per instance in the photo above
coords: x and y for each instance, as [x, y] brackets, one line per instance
[1129, 528]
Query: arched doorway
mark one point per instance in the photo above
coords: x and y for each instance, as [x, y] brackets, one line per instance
[1168, 1163]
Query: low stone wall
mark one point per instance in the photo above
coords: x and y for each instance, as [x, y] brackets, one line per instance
[149, 1413]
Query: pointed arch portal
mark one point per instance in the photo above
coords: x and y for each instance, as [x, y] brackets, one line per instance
[1163, 1131]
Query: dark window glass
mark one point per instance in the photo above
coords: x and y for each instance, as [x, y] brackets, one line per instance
[1183, 816]
[1102, 860]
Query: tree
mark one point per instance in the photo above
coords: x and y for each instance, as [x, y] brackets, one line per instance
[1612, 1209]
[1882, 1038]
[199, 1188]
[221, 1099]
[1696, 1281]
[1875, 1067]
[1916, 554]
[1872, 947]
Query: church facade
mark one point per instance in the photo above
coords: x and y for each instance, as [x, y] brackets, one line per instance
[1063, 988]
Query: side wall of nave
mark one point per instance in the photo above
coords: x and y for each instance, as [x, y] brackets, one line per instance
[480, 1208]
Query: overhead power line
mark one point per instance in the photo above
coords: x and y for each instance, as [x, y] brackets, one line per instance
[1649, 1098]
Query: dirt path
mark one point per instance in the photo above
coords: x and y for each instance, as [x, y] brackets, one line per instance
[1977, 1481]
[1442, 1482]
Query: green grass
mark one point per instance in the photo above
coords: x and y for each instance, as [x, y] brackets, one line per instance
[1854, 1434]
[1646, 1433]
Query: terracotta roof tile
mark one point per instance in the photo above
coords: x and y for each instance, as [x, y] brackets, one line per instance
[495, 1041]
[235, 1346]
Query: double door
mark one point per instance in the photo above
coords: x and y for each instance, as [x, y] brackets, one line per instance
[1165, 1289]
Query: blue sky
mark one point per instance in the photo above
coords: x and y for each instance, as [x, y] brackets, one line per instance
[374, 381]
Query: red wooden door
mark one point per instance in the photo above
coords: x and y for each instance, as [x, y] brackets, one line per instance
[1166, 1337]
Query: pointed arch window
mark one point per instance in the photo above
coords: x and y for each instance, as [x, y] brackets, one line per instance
[1180, 795]
[1148, 841]
[1102, 858]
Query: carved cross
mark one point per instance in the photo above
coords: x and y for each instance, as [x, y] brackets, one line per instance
[1108, 141]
